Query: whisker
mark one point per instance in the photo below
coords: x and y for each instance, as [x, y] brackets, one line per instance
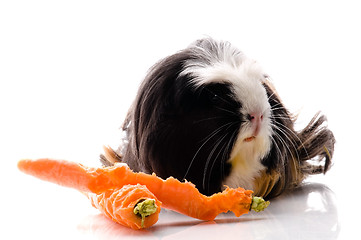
[209, 160]
[273, 108]
[230, 144]
[279, 116]
[215, 132]
[206, 139]
[283, 143]
[294, 134]
[207, 119]
[277, 104]
[224, 149]
[288, 137]
[226, 110]
[269, 97]
[227, 150]
[276, 145]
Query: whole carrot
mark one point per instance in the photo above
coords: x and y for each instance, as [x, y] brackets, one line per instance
[175, 195]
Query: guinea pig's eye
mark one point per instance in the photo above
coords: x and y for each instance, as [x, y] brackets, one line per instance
[212, 97]
[215, 98]
[219, 95]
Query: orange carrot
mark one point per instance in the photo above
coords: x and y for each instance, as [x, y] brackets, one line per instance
[132, 205]
[181, 197]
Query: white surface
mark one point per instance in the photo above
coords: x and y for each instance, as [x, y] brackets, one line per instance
[70, 69]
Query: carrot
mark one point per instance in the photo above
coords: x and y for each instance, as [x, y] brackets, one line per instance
[132, 205]
[175, 195]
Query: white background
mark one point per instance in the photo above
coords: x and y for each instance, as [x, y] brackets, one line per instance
[70, 69]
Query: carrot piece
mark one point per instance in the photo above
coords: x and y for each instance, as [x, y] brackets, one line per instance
[132, 205]
[175, 195]
[64, 173]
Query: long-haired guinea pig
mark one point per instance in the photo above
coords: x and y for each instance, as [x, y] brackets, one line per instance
[209, 115]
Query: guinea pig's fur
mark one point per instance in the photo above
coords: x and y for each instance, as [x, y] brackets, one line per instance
[209, 115]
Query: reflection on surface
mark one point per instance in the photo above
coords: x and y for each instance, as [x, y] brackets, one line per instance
[309, 212]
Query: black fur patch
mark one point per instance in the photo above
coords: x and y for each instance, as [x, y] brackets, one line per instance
[184, 131]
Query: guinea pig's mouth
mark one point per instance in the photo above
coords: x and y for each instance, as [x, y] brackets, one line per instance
[249, 139]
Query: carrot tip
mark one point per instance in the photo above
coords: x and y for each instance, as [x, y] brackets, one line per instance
[145, 208]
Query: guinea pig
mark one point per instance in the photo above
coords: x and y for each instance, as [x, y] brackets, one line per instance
[209, 115]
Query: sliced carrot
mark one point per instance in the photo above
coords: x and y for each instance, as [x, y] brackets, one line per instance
[175, 195]
[119, 204]
[132, 205]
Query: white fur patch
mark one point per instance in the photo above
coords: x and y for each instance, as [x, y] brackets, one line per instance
[229, 65]
[245, 160]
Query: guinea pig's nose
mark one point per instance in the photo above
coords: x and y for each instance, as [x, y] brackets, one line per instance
[255, 117]
[256, 120]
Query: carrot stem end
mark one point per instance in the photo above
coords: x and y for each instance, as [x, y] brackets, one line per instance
[259, 204]
[145, 208]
